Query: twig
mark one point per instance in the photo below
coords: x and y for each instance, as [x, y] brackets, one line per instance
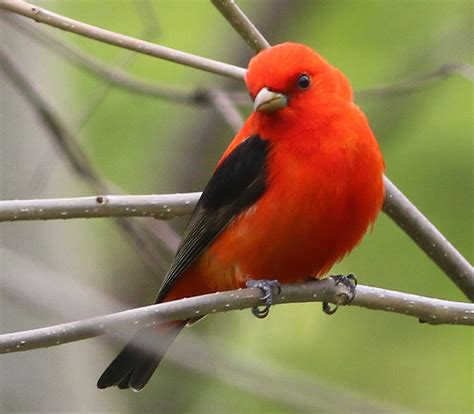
[43, 15]
[146, 11]
[432, 311]
[162, 207]
[241, 23]
[61, 134]
[112, 74]
[407, 86]
[403, 212]
[223, 105]
[417, 226]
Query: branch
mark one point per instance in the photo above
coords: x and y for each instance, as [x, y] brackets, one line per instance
[432, 311]
[42, 15]
[407, 86]
[412, 221]
[403, 212]
[241, 23]
[164, 207]
[110, 73]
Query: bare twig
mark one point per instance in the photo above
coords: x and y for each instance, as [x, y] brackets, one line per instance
[223, 105]
[42, 15]
[112, 74]
[163, 207]
[147, 13]
[63, 137]
[403, 212]
[415, 224]
[413, 85]
[432, 311]
[242, 24]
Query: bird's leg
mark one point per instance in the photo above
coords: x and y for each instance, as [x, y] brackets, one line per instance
[268, 287]
[350, 282]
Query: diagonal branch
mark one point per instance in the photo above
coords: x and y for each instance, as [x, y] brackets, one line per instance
[112, 74]
[407, 86]
[405, 214]
[432, 311]
[241, 23]
[420, 229]
[43, 15]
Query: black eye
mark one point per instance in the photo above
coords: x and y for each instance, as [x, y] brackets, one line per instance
[304, 81]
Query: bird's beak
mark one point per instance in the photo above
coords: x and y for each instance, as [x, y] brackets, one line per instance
[268, 101]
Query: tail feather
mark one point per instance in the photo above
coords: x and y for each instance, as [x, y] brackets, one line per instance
[138, 360]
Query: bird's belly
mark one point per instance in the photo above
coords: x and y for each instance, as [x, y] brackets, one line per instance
[289, 236]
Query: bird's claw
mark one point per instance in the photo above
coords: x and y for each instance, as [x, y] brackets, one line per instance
[268, 287]
[349, 281]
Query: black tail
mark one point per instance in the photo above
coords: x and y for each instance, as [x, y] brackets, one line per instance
[136, 363]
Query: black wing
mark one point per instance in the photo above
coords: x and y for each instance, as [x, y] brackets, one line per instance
[237, 183]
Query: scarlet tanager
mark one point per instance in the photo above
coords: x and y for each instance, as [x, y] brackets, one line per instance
[294, 192]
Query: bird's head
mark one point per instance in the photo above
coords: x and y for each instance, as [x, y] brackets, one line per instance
[293, 76]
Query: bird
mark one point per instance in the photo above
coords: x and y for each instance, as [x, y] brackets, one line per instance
[295, 191]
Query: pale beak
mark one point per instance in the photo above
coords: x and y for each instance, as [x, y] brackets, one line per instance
[268, 101]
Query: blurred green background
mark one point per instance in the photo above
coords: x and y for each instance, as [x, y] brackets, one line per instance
[147, 145]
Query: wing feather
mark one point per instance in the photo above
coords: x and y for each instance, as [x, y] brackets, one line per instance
[237, 183]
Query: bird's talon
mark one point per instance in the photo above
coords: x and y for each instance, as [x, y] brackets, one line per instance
[350, 282]
[268, 287]
[261, 313]
[328, 310]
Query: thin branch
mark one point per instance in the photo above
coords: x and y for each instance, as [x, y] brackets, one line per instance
[403, 212]
[43, 15]
[147, 14]
[110, 73]
[61, 134]
[223, 105]
[163, 207]
[432, 311]
[408, 86]
[241, 23]
[414, 223]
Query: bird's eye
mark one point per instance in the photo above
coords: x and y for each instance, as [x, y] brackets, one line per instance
[304, 81]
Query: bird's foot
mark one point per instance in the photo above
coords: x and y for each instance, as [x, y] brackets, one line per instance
[348, 281]
[268, 287]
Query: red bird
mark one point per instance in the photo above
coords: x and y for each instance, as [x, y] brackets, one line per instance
[295, 191]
